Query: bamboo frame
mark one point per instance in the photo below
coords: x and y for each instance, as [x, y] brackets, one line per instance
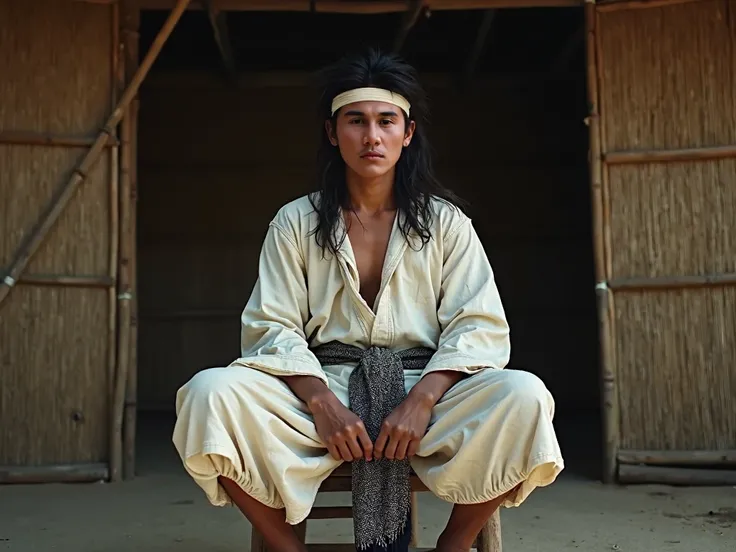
[608, 376]
[675, 476]
[678, 457]
[61, 280]
[28, 138]
[126, 246]
[667, 156]
[673, 282]
[66, 191]
[360, 6]
[132, 23]
[58, 473]
[618, 5]
[114, 227]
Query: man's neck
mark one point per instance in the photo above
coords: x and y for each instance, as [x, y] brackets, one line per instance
[371, 196]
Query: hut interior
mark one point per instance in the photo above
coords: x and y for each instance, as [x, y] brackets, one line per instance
[227, 133]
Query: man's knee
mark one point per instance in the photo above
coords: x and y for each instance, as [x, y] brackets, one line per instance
[207, 384]
[527, 390]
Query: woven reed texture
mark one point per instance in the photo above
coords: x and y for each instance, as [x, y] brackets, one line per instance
[675, 353]
[210, 183]
[673, 218]
[56, 60]
[668, 76]
[667, 81]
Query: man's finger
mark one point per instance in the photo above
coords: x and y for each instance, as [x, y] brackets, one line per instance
[380, 445]
[413, 448]
[365, 442]
[355, 449]
[334, 452]
[390, 451]
[401, 448]
[344, 452]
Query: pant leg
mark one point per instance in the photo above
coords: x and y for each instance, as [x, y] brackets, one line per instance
[489, 433]
[248, 426]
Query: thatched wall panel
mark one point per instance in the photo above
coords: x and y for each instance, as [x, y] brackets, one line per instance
[668, 76]
[55, 60]
[675, 359]
[53, 361]
[673, 219]
[29, 179]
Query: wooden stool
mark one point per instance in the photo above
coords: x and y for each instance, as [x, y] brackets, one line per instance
[489, 539]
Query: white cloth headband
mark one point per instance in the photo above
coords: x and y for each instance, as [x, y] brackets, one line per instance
[370, 95]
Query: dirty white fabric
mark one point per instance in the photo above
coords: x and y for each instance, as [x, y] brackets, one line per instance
[491, 432]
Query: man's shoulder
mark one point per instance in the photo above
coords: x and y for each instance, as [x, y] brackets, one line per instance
[448, 217]
[295, 215]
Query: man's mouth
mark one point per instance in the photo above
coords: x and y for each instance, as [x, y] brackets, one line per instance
[372, 155]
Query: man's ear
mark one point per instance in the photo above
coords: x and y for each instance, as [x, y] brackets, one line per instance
[331, 134]
[409, 133]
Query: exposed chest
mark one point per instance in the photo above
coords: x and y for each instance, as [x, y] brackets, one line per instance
[369, 239]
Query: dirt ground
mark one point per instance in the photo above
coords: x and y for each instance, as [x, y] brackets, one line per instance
[162, 510]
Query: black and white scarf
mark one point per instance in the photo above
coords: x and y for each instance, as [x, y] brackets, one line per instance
[381, 488]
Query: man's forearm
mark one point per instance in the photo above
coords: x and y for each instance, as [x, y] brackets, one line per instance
[431, 387]
[312, 391]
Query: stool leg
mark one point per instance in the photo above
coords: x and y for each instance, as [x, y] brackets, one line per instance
[301, 531]
[489, 539]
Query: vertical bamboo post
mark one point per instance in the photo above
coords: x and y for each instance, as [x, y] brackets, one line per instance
[125, 291]
[115, 88]
[608, 381]
[131, 25]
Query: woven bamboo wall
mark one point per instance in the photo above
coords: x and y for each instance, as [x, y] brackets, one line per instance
[211, 180]
[668, 77]
[56, 79]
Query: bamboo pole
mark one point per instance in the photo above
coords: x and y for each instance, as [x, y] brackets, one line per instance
[26, 138]
[60, 280]
[673, 282]
[126, 246]
[131, 386]
[608, 381]
[59, 473]
[666, 156]
[678, 457]
[65, 193]
[675, 476]
[617, 5]
[115, 79]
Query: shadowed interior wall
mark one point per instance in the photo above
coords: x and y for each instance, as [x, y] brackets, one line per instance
[216, 162]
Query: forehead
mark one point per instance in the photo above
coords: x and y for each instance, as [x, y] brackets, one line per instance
[370, 107]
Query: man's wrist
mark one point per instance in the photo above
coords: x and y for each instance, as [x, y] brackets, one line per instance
[430, 389]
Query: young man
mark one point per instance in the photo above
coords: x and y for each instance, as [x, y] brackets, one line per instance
[374, 335]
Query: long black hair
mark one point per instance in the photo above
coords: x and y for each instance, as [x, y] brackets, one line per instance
[416, 182]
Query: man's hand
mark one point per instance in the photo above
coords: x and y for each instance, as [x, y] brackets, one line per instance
[341, 430]
[403, 429]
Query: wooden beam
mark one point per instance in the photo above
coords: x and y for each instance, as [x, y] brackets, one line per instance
[218, 21]
[675, 476]
[25, 138]
[617, 5]
[61, 473]
[678, 457]
[414, 9]
[360, 6]
[672, 282]
[674, 155]
[62, 280]
[66, 191]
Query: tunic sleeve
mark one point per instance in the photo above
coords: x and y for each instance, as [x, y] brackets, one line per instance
[474, 331]
[272, 323]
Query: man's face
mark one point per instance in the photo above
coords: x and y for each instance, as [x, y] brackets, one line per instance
[370, 136]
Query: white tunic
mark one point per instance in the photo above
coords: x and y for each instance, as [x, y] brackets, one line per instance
[488, 434]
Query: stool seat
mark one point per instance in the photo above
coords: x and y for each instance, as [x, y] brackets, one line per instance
[489, 539]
